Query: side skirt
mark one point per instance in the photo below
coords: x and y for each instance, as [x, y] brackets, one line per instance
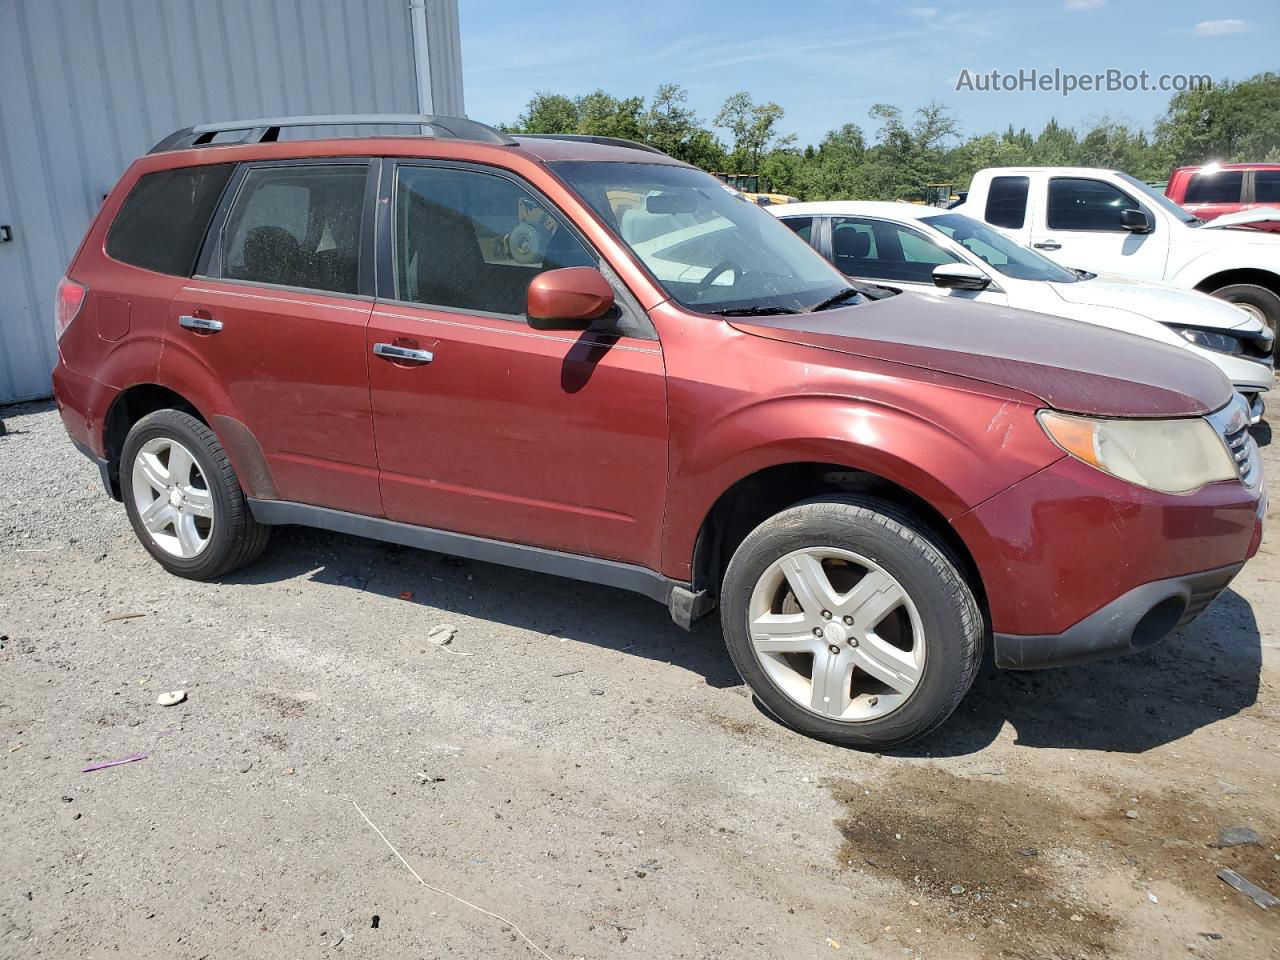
[609, 573]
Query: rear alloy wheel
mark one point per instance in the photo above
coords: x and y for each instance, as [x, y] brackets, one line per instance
[851, 623]
[183, 499]
[1256, 300]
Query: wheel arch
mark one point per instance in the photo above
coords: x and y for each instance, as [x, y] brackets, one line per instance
[1254, 275]
[141, 399]
[754, 498]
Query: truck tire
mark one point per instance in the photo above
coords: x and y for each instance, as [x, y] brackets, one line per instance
[851, 623]
[183, 499]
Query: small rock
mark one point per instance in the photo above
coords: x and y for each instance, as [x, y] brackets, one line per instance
[1212, 936]
[597, 692]
[1236, 837]
[246, 766]
[442, 635]
[957, 890]
[172, 698]
[1029, 851]
[1076, 918]
[1131, 814]
[1153, 898]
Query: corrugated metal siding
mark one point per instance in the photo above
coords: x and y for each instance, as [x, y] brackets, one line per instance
[88, 85]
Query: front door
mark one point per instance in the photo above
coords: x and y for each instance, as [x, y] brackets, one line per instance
[483, 425]
[277, 321]
[1080, 227]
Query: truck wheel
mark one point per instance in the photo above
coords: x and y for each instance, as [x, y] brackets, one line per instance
[850, 623]
[183, 498]
[1258, 300]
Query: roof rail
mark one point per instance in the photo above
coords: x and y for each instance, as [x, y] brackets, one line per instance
[588, 138]
[267, 129]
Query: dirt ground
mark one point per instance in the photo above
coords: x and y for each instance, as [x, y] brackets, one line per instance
[579, 766]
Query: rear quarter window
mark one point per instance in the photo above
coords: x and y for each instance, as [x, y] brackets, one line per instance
[1007, 202]
[162, 223]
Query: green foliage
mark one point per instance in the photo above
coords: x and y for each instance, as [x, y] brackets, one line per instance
[1231, 121]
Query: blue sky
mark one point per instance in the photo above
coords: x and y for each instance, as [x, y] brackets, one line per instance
[826, 62]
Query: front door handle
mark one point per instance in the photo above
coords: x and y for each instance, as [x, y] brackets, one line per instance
[203, 324]
[402, 354]
[1048, 245]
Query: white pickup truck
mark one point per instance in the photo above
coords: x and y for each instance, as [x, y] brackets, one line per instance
[1105, 221]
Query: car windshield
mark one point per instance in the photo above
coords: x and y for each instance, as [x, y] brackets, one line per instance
[998, 251]
[1186, 216]
[710, 250]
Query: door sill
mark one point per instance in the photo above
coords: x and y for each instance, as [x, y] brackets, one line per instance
[610, 573]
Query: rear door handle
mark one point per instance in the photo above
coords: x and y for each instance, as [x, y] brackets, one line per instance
[1048, 245]
[203, 324]
[402, 354]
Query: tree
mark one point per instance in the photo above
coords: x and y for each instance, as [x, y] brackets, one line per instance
[754, 128]
[600, 115]
[548, 113]
[673, 128]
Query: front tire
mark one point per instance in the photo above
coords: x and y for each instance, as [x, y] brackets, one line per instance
[1258, 300]
[851, 623]
[183, 499]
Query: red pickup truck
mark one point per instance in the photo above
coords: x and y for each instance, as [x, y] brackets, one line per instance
[1217, 189]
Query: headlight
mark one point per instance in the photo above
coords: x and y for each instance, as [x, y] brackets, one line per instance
[1172, 456]
[1221, 342]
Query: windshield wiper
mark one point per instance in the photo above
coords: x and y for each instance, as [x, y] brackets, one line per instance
[754, 311]
[831, 301]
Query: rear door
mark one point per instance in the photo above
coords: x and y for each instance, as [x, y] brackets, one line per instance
[274, 323]
[554, 439]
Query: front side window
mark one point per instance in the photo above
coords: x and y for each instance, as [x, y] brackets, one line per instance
[879, 250]
[802, 227]
[474, 241]
[1077, 203]
[1007, 202]
[708, 249]
[162, 223]
[297, 226]
[998, 251]
[1221, 187]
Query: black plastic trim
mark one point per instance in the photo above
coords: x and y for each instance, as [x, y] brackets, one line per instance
[609, 573]
[104, 469]
[1110, 631]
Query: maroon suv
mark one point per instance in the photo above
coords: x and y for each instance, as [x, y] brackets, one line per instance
[582, 357]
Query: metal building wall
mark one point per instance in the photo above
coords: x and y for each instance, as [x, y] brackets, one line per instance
[88, 85]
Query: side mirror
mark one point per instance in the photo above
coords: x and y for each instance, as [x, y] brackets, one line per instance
[1135, 221]
[568, 298]
[959, 276]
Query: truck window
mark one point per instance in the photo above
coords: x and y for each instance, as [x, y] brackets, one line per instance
[1078, 203]
[1221, 187]
[1266, 186]
[1007, 202]
[161, 224]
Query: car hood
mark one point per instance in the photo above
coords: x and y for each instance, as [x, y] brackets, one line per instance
[1242, 217]
[1159, 301]
[1071, 366]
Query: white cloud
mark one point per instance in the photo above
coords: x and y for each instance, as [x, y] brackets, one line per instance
[1083, 4]
[1219, 28]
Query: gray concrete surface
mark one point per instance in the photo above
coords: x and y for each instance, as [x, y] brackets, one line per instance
[640, 807]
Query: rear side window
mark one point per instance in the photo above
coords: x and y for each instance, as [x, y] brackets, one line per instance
[1007, 202]
[1266, 186]
[1223, 187]
[878, 250]
[1077, 203]
[161, 224]
[297, 227]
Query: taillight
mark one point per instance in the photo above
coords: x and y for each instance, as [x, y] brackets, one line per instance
[70, 299]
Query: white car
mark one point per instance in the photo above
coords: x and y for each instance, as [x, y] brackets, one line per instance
[1110, 222]
[944, 252]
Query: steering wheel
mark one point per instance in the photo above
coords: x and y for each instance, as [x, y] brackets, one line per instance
[722, 267]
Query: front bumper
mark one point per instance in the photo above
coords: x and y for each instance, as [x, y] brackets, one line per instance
[1138, 619]
[1257, 406]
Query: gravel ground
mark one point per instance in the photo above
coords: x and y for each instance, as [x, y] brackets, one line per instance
[577, 765]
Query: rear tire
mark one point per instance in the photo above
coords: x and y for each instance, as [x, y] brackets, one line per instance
[1257, 299]
[183, 499]
[883, 622]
